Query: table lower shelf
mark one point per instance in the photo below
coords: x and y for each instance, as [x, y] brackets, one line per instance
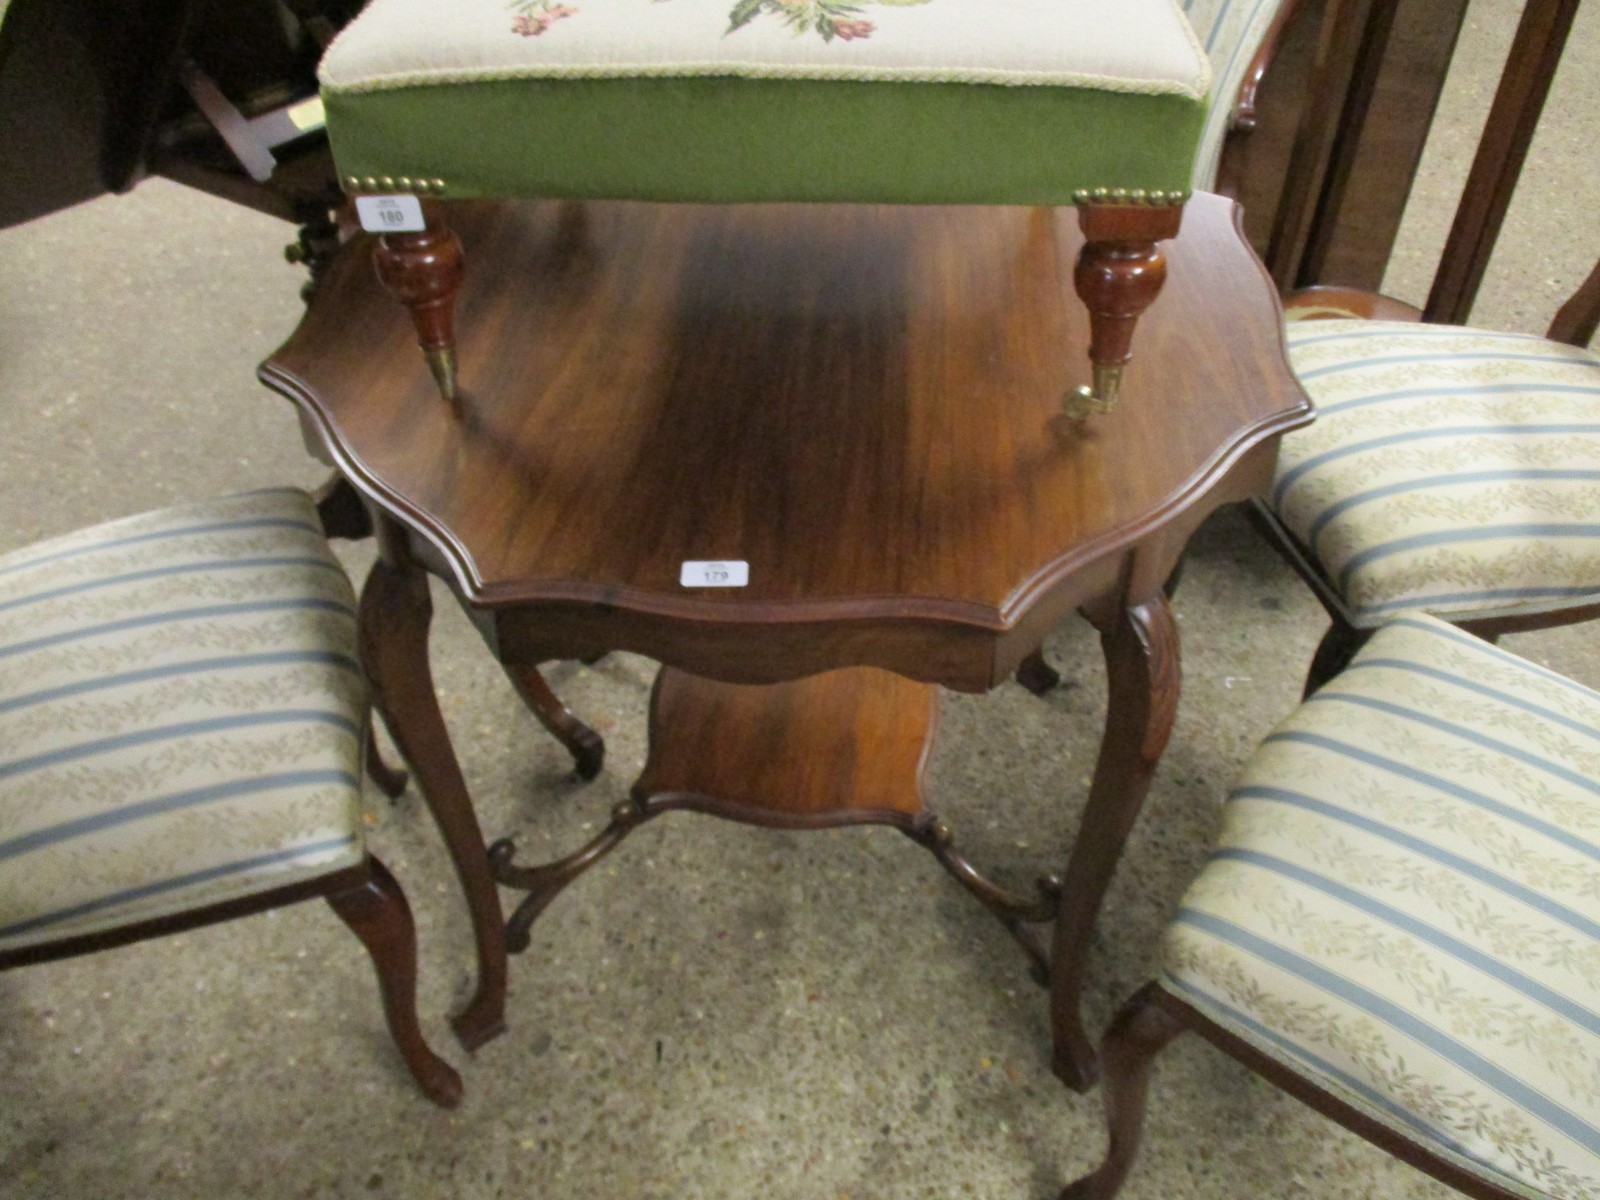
[846, 747]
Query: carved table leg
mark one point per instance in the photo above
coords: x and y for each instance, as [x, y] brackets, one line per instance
[587, 748]
[1141, 648]
[424, 271]
[395, 613]
[1119, 274]
[1037, 675]
[1141, 1031]
[340, 510]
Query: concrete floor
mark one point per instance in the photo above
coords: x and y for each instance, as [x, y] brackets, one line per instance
[717, 1011]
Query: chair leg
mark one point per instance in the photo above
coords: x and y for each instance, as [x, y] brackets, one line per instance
[391, 781]
[1338, 646]
[378, 914]
[1140, 1031]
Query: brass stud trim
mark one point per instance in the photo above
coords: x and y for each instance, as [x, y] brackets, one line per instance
[1127, 196]
[393, 183]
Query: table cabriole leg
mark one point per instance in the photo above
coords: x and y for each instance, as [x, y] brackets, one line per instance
[1143, 677]
[395, 613]
[588, 748]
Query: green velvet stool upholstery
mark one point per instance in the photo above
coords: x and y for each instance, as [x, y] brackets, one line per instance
[916, 101]
[1105, 104]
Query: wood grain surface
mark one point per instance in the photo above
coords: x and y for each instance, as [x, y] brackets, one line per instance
[843, 747]
[862, 403]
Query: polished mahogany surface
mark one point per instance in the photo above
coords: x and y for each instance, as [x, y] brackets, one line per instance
[837, 748]
[863, 404]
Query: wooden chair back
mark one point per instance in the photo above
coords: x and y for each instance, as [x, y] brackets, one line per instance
[1524, 86]
[1502, 150]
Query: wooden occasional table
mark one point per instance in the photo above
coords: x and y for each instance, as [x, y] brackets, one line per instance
[864, 405]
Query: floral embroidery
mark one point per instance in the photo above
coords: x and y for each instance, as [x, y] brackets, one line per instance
[830, 18]
[535, 16]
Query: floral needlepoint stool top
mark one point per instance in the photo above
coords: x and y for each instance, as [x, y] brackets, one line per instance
[830, 18]
[918, 101]
[1099, 103]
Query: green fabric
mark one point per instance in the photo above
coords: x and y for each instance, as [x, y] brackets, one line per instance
[738, 140]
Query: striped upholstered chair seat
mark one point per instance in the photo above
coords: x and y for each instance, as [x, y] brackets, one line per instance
[1404, 907]
[1401, 922]
[1449, 470]
[181, 716]
[182, 721]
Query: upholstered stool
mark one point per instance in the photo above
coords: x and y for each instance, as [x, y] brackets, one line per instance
[1449, 469]
[1101, 103]
[182, 719]
[1401, 921]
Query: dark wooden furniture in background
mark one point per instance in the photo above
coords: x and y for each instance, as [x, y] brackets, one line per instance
[93, 99]
[220, 95]
[1357, 206]
[1502, 149]
[863, 404]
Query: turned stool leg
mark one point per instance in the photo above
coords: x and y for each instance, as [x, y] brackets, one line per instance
[424, 271]
[1119, 274]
